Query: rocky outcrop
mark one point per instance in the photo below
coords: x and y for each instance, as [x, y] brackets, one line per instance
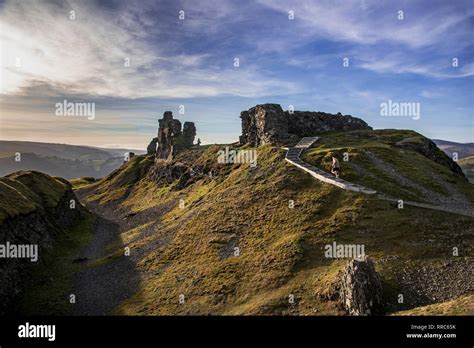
[168, 129]
[171, 138]
[189, 133]
[151, 148]
[358, 288]
[264, 124]
[178, 175]
[37, 210]
[268, 123]
[429, 149]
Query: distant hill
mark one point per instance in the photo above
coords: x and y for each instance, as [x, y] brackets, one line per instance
[449, 147]
[465, 155]
[67, 161]
[467, 165]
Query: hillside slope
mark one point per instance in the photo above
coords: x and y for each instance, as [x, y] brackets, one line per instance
[401, 164]
[210, 238]
[37, 210]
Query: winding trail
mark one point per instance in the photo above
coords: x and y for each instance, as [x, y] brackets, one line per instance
[108, 277]
[293, 156]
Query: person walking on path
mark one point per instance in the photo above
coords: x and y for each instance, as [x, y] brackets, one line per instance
[335, 168]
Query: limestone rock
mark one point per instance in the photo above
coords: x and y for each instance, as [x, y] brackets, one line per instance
[264, 124]
[358, 287]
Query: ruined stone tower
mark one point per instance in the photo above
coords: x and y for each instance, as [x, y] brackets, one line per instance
[171, 137]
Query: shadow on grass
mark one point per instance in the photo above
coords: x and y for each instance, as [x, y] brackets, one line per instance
[107, 279]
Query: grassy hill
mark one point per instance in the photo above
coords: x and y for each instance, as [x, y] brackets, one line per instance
[24, 192]
[398, 163]
[35, 209]
[245, 241]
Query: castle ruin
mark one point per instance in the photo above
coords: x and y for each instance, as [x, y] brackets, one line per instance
[171, 137]
[268, 123]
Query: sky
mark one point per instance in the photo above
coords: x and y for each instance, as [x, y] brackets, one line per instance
[133, 60]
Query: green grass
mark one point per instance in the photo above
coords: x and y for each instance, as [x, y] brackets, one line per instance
[281, 249]
[81, 182]
[47, 289]
[25, 191]
[401, 153]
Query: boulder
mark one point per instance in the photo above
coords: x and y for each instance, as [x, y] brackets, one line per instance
[358, 288]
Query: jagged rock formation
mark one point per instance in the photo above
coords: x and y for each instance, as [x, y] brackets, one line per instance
[268, 123]
[171, 138]
[358, 288]
[168, 129]
[151, 148]
[189, 133]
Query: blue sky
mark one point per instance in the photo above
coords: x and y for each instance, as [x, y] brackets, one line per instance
[48, 57]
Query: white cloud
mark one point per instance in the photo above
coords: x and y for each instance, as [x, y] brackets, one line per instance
[401, 64]
[87, 56]
[371, 22]
[370, 34]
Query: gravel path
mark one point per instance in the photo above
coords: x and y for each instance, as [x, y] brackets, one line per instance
[100, 288]
[107, 281]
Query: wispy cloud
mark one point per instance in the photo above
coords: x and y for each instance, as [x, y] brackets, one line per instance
[190, 61]
[403, 64]
[90, 55]
[373, 36]
[370, 22]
